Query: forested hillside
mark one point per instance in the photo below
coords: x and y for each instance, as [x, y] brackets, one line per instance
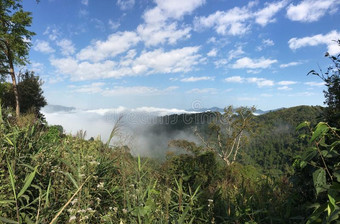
[272, 143]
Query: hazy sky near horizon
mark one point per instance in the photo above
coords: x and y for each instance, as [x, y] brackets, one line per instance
[182, 53]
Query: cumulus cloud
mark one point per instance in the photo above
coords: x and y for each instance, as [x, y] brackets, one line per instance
[315, 84]
[265, 15]
[114, 25]
[286, 83]
[160, 23]
[66, 47]
[328, 39]
[153, 35]
[103, 89]
[290, 64]
[212, 52]
[286, 88]
[260, 82]
[43, 46]
[148, 62]
[178, 8]
[238, 20]
[235, 53]
[311, 10]
[246, 62]
[125, 4]
[137, 90]
[52, 32]
[231, 22]
[95, 87]
[195, 79]
[236, 79]
[202, 91]
[85, 2]
[115, 44]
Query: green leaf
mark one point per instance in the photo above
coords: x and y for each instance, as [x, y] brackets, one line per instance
[7, 201]
[5, 220]
[319, 132]
[302, 125]
[71, 178]
[28, 182]
[319, 179]
[11, 176]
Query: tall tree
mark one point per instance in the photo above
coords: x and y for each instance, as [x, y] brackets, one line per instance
[332, 95]
[15, 41]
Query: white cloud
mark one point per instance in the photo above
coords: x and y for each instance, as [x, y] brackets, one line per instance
[235, 53]
[37, 67]
[261, 82]
[43, 46]
[85, 2]
[268, 42]
[290, 64]
[158, 61]
[286, 83]
[238, 21]
[115, 44]
[195, 79]
[104, 90]
[153, 35]
[67, 47]
[149, 62]
[137, 90]
[178, 8]
[202, 91]
[125, 4]
[311, 10]
[328, 39]
[265, 15]
[265, 43]
[315, 84]
[246, 62]
[286, 88]
[95, 87]
[231, 22]
[212, 52]
[237, 79]
[52, 32]
[113, 25]
[159, 27]
[98, 24]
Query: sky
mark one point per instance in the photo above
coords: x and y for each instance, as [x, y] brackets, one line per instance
[183, 54]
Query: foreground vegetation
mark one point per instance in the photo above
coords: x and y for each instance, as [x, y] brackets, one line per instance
[49, 177]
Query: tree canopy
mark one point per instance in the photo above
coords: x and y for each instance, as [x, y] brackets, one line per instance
[15, 40]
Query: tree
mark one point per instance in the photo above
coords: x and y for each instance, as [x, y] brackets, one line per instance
[29, 91]
[332, 80]
[230, 132]
[14, 41]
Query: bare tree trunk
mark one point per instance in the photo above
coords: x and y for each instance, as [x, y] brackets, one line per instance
[15, 89]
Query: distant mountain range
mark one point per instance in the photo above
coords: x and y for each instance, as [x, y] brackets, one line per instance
[221, 110]
[58, 108]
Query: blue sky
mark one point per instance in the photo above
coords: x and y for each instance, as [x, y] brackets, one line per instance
[183, 54]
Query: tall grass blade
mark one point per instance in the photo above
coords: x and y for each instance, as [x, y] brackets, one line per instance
[68, 202]
[28, 182]
[5, 220]
[11, 176]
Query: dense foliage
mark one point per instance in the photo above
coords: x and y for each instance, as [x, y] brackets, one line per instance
[15, 41]
[46, 175]
[30, 94]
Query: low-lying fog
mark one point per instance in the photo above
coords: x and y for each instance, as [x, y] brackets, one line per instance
[134, 130]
